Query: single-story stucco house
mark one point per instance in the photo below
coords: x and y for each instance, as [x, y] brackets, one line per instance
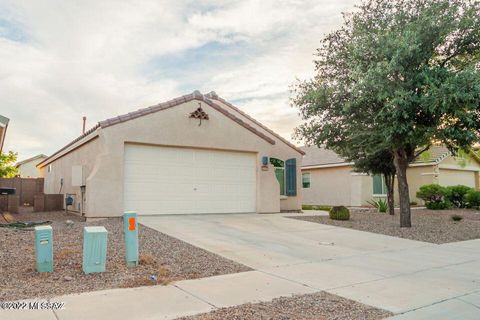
[190, 155]
[3, 130]
[28, 168]
[330, 180]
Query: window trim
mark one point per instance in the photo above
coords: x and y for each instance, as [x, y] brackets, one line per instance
[384, 186]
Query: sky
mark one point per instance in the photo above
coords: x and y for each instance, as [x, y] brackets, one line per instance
[62, 60]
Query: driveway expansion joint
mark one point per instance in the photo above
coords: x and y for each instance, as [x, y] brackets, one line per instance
[195, 296]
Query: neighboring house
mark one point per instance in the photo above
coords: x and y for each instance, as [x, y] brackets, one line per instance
[3, 130]
[194, 154]
[28, 167]
[330, 180]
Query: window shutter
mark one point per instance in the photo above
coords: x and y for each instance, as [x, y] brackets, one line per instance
[291, 176]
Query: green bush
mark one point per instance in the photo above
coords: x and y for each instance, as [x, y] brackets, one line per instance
[442, 205]
[307, 207]
[339, 213]
[457, 195]
[473, 199]
[435, 196]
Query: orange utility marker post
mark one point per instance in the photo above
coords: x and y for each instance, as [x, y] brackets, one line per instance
[130, 228]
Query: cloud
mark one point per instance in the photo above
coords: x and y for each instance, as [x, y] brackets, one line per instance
[65, 59]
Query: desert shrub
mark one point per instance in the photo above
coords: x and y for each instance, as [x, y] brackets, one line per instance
[435, 196]
[456, 217]
[473, 199]
[440, 205]
[381, 204]
[457, 195]
[339, 213]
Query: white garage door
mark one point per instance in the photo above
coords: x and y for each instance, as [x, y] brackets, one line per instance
[456, 177]
[166, 180]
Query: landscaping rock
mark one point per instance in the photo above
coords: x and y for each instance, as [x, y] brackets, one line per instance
[167, 258]
[318, 306]
[435, 226]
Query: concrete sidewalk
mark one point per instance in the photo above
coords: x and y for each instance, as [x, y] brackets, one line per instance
[182, 298]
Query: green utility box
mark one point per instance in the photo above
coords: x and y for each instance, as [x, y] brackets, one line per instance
[44, 248]
[130, 230]
[94, 249]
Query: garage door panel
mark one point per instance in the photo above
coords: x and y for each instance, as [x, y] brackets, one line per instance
[455, 177]
[164, 180]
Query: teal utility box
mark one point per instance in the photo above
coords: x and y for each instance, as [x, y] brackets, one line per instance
[44, 248]
[94, 249]
[130, 230]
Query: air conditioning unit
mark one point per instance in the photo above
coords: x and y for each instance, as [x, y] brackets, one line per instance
[78, 176]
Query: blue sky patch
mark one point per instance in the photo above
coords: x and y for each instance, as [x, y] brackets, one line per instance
[192, 66]
[12, 30]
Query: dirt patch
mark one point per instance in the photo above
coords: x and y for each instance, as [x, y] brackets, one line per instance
[318, 306]
[163, 259]
[435, 226]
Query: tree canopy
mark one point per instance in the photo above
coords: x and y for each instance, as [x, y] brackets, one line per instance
[396, 76]
[7, 165]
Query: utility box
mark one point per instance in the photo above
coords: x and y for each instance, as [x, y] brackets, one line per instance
[94, 249]
[130, 230]
[44, 248]
[78, 176]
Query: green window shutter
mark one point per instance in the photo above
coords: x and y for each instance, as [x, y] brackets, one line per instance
[291, 177]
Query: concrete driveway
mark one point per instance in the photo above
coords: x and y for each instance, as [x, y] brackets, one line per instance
[416, 280]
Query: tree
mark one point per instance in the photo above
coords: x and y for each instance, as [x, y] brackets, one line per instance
[380, 162]
[7, 165]
[397, 76]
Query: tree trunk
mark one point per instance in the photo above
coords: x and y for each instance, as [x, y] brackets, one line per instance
[401, 163]
[390, 182]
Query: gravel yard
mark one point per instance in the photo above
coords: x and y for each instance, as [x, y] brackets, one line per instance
[318, 306]
[435, 226]
[167, 259]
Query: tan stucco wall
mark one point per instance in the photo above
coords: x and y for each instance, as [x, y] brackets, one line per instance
[341, 186]
[62, 169]
[29, 169]
[329, 186]
[172, 127]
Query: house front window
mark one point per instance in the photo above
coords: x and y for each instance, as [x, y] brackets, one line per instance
[306, 180]
[379, 186]
[279, 173]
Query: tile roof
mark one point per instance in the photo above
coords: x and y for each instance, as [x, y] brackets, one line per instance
[434, 154]
[315, 156]
[214, 96]
[209, 99]
[38, 156]
[323, 157]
